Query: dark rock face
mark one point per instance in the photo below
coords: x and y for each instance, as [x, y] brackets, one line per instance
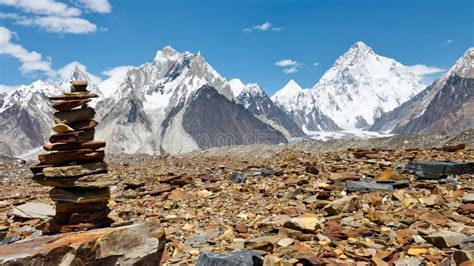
[17, 121]
[261, 105]
[315, 120]
[445, 107]
[450, 111]
[402, 114]
[214, 121]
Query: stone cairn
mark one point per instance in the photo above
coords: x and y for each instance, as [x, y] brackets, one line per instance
[74, 166]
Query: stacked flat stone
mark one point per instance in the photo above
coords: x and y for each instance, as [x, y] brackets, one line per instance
[74, 164]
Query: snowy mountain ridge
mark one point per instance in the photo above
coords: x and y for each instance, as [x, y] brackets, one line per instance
[359, 87]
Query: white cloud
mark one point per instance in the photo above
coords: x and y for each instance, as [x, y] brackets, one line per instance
[61, 24]
[285, 63]
[43, 7]
[120, 70]
[8, 16]
[423, 70]
[54, 16]
[263, 27]
[448, 42]
[316, 64]
[31, 61]
[98, 6]
[266, 26]
[290, 66]
[293, 69]
[7, 88]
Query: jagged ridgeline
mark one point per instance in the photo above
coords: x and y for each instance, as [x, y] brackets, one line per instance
[74, 164]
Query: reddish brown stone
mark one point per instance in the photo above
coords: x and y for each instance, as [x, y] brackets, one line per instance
[73, 137]
[69, 207]
[88, 217]
[102, 246]
[404, 236]
[68, 105]
[74, 96]
[38, 168]
[70, 116]
[90, 145]
[466, 208]
[83, 124]
[241, 228]
[62, 157]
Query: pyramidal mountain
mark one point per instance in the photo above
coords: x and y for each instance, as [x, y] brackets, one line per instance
[445, 107]
[254, 99]
[174, 104]
[359, 87]
[302, 107]
[26, 118]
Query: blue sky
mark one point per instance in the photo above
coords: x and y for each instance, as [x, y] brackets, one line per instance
[37, 41]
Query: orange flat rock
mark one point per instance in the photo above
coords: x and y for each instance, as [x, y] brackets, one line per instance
[62, 157]
[73, 96]
[108, 244]
[73, 137]
[90, 145]
[70, 104]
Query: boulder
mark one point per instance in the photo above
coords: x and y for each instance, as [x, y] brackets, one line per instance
[69, 207]
[73, 137]
[137, 244]
[445, 239]
[69, 104]
[63, 157]
[77, 195]
[461, 256]
[83, 124]
[307, 223]
[75, 170]
[34, 210]
[73, 96]
[342, 205]
[74, 115]
[90, 145]
[242, 258]
[62, 128]
[86, 181]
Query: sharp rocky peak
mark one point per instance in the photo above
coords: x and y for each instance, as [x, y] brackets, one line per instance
[359, 52]
[464, 67]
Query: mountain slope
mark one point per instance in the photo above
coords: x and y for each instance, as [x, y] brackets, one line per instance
[224, 123]
[445, 107]
[26, 115]
[147, 112]
[301, 105]
[252, 97]
[362, 85]
[352, 94]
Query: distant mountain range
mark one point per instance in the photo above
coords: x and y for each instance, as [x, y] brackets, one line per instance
[179, 103]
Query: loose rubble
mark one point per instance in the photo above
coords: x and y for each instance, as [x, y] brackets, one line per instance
[361, 206]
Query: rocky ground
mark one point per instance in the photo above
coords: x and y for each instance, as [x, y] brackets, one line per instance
[288, 203]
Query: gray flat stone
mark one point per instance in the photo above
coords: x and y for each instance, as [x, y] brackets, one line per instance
[34, 210]
[242, 258]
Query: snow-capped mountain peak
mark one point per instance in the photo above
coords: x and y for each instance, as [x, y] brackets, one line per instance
[290, 90]
[236, 86]
[464, 67]
[361, 85]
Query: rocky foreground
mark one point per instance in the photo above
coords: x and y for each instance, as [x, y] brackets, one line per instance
[289, 205]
